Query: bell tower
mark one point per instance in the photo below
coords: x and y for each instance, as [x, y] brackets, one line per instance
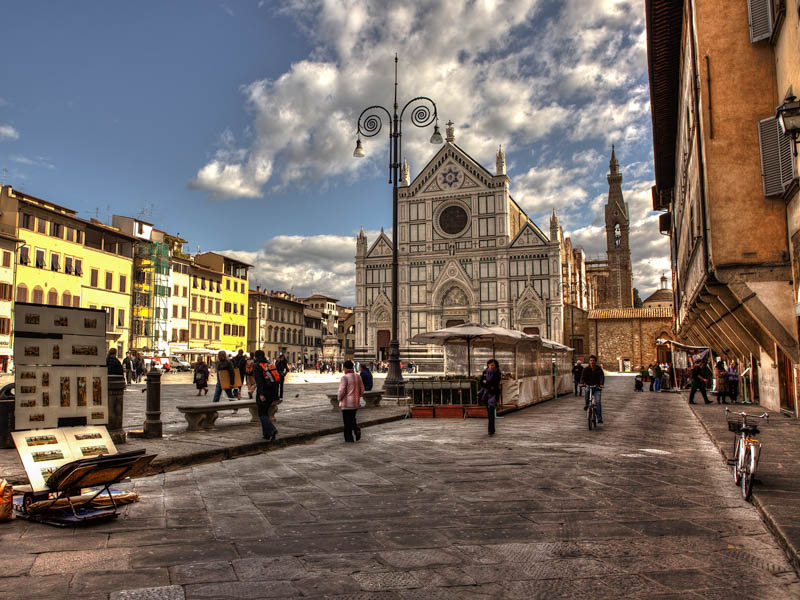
[619, 290]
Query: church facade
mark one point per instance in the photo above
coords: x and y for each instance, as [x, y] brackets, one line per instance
[467, 253]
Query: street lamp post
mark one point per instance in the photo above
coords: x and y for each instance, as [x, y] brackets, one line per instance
[423, 113]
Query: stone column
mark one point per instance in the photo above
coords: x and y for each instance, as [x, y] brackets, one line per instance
[116, 391]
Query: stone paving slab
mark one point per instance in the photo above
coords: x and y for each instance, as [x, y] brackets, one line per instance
[557, 512]
[776, 492]
[304, 415]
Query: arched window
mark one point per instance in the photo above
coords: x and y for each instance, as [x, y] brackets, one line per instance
[283, 335]
[66, 298]
[269, 333]
[52, 297]
[22, 293]
[38, 295]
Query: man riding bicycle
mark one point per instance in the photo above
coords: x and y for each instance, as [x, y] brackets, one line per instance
[594, 379]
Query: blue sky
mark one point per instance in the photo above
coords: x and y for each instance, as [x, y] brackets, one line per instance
[232, 122]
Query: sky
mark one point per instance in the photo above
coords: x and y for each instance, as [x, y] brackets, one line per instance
[233, 123]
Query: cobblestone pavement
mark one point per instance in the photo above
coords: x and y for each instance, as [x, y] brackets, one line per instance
[431, 509]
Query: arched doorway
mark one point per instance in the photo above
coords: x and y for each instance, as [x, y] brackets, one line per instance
[382, 339]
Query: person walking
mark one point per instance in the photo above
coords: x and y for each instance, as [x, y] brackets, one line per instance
[577, 371]
[138, 363]
[490, 391]
[350, 390]
[283, 368]
[127, 365]
[651, 375]
[201, 376]
[657, 372]
[240, 363]
[249, 374]
[266, 377]
[112, 363]
[733, 381]
[593, 377]
[700, 378]
[722, 382]
[223, 364]
[366, 378]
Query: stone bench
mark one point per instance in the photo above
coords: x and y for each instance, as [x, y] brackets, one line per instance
[372, 399]
[203, 416]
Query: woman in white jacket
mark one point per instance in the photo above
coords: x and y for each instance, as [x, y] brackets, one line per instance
[350, 390]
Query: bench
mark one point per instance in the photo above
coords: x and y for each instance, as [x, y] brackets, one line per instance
[203, 416]
[372, 399]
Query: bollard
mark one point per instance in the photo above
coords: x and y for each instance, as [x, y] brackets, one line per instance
[152, 419]
[116, 391]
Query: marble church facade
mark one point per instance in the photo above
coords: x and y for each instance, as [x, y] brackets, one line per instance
[467, 253]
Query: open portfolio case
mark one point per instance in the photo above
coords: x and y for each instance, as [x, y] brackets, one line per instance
[61, 380]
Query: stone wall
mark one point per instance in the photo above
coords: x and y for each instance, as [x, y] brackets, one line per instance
[615, 341]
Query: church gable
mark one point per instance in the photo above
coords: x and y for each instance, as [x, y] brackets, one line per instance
[529, 236]
[380, 247]
[451, 169]
[451, 284]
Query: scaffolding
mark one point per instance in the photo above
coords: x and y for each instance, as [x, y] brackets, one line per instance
[151, 297]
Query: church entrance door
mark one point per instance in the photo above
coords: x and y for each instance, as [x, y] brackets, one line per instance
[454, 322]
[382, 346]
[531, 330]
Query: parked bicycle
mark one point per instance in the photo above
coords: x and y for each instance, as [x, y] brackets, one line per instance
[591, 412]
[746, 449]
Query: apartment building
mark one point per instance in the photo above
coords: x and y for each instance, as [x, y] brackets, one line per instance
[234, 296]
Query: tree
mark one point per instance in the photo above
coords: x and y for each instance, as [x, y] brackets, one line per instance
[637, 301]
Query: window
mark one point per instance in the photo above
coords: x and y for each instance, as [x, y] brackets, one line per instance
[22, 293]
[38, 295]
[203, 306]
[183, 312]
[235, 309]
[226, 329]
[95, 276]
[761, 19]
[216, 332]
[227, 284]
[417, 294]
[241, 311]
[194, 281]
[56, 230]
[6, 259]
[109, 280]
[120, 317]
[24, 255]
[227, 307]
[185, 292]
[488, 291]
[52, 297]
[203, 283]
[283, 316]
[109, 318]
[69, 233]
[486, 226]
[194, 331]
[416, 232]
[41, 225]
[489, 317]
[78, 236]
[174, 311]
[54, 262]
[6, 291]
[416, 211]
[66, 298]
[202, 331]
[194, 303]
[68, 265]
[39, 258]
[27, 221]
[488, 269]
[175, 289]
[777, 162]
[485, 205]
[418, 323]
[123, 283]
[78, 267]
[218, 305]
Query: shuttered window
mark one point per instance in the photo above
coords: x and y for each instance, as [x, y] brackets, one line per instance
[760, 13]
[777, 162]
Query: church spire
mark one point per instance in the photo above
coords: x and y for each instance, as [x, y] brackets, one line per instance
[501, 161]
[555, 227]
[613, 165]
[405, 174]
[450, 132]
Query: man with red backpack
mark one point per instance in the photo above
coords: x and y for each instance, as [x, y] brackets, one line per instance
[249, 375]
[267, 378]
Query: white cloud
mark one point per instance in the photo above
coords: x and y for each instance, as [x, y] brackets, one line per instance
[36, 161]
[7, 132]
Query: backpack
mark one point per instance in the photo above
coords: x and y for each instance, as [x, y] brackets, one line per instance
[270, 372]
[248, 367]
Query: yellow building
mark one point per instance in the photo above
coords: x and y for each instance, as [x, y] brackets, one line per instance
[64, 260]
[205, 310]
[8, 261]
[234, 297]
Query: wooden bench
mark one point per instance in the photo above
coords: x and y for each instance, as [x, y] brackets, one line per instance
[203, 416]
[372, 399]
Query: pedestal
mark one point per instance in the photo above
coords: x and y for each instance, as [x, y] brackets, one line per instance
[331, 351]
[116, 392]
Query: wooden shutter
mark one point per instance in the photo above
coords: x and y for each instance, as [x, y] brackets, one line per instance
[760, 13]
[777, 162]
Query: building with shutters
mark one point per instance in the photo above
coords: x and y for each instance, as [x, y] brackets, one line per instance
[467, 253]
[726, 181]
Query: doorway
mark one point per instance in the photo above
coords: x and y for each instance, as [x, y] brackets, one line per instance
[785, 382]
[382, 344]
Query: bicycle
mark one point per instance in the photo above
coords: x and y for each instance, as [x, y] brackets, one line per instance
[746, 449]
[591, 412]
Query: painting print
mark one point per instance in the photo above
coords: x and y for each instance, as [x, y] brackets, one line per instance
[81, 391]
[65, 381]
[97, 391]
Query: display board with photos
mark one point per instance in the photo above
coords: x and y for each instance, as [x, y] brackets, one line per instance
[60, 357]
[43, 451]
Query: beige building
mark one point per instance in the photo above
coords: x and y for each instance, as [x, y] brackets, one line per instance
[8, 267]
[275, 325]
[726, 179]
[312, 336]
[661, 298]
[179, 298]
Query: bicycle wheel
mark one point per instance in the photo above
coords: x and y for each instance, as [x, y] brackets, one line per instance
[749, 472]
[737, 466]
[590, 415]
